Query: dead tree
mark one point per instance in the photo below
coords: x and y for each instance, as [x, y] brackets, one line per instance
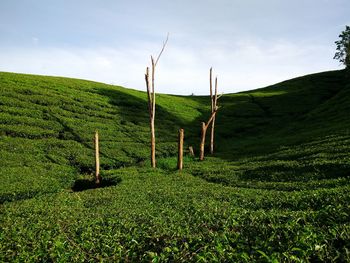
[180, 150]
[149, 78]
[203, 133]
[214, 100]
[97, 160]
[214, 107]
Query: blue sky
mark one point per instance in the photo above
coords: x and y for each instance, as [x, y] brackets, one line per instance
[250, 44]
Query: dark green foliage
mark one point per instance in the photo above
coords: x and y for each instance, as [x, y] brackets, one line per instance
[343, 47]
[276, 190]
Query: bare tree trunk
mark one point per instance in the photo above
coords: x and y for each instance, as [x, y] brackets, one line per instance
[180, 150]
[151, 110]
[212, 137]
[152, 102]
[213, 108]
[153, 145]
[153, 132]
[201, 146]
[203, 133]
[97, 159]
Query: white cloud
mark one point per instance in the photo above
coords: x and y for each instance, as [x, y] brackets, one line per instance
[245, 65]
[250, 44]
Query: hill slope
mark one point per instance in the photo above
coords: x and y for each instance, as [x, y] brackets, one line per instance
[282, 153]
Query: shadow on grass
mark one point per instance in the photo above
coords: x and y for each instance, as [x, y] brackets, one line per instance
[86, 184]
[250, 123]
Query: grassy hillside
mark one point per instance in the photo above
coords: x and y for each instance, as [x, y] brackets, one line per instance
[277, 187]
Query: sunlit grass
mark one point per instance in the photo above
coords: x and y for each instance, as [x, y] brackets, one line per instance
[276, 189]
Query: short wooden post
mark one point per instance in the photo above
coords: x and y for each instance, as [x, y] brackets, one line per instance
[97, 159]
[191, 151]
[201, 147]
[180, 150]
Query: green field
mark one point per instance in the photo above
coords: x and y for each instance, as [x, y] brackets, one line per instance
[277, 188]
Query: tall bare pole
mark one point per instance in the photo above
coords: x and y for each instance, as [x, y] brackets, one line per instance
[214, 100]
[213, 106]
[149, 78]
[97, 159]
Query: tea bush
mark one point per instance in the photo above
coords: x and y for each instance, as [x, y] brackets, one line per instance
[277, 188]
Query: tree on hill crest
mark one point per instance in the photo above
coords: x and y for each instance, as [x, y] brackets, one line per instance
[343, 48]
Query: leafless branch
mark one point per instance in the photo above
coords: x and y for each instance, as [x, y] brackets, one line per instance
[163, 47]
[153, 93]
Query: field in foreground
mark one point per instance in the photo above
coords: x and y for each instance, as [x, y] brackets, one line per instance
[277, 188]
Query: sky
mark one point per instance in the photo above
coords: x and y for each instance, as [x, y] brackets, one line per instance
[249, 43]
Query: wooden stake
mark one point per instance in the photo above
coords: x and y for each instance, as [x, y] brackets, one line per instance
[97, 159]
[180, 150]
[201, 147]
[191, 151]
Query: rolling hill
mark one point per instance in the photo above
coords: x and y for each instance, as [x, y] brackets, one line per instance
[276, 189]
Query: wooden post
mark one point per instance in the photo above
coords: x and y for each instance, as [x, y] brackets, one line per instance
[180, 154]
[191, 151]
[201, 147]
[97, 159]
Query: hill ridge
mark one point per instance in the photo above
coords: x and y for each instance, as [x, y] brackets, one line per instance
[276, 188]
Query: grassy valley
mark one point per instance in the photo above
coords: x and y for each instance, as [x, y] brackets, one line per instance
[277, 188]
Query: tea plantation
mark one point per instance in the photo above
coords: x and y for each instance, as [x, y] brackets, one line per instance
[277, 188]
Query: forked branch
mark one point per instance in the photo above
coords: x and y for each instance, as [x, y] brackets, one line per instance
[151, 95]
[214, 108]
[163, 47]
